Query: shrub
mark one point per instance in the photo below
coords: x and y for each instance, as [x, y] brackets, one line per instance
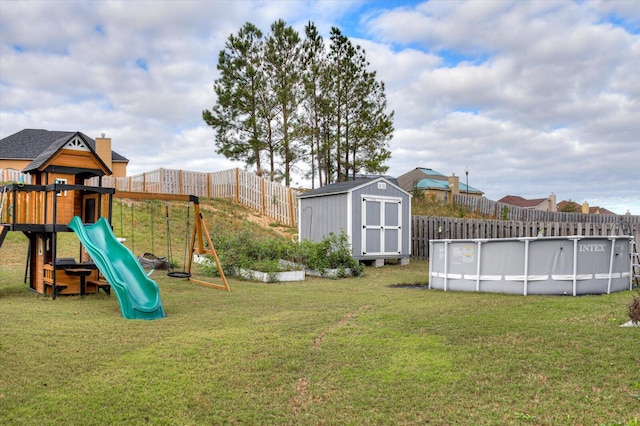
[245, 251]
[634, 309]
[505, 213]
[338, 252]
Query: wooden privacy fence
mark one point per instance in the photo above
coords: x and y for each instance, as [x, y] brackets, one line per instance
[425, 228]
[504, 211]
[270, 199]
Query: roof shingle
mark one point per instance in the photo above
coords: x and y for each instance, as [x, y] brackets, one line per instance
[29, 144]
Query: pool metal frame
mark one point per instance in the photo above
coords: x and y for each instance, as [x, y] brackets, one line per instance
[483, 265]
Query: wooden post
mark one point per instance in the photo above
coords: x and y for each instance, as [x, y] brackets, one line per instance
[200, 231]
[292, 219]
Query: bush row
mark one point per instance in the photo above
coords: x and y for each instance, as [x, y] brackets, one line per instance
[244, 250]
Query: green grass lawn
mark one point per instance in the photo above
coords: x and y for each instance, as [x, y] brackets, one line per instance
[350, 351]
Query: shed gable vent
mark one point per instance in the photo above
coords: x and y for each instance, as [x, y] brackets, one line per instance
[76, 144]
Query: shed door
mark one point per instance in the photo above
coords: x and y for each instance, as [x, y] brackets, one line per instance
[381, 225]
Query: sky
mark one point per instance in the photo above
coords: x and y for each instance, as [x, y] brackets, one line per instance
[532, 97]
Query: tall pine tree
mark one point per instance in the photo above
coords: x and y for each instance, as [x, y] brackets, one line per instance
[235, 116]
[294, 101]
[282, 64]
[314, 102]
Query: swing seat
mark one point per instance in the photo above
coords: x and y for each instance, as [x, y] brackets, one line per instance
[151, 261]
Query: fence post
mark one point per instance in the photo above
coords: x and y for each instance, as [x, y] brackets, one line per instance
[237, 185]
[262, 195]
[292, 218]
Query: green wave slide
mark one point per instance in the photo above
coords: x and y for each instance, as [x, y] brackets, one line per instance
[138, 295]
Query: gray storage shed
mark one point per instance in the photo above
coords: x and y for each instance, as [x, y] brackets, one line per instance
[375, 214]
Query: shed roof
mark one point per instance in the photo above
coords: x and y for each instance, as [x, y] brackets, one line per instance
[348, 186]
[29, 144]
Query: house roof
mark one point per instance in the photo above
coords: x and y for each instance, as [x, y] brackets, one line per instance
[424, 178]
[516, 200]
[562, 205]
[29, 144]
[433, 184]
[348, 186]
[431, 173]
[443, 185]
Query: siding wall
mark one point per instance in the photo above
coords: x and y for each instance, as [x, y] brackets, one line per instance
[320, 216]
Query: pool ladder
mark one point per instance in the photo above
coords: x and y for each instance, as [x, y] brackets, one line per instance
[635, 263]
[625, 228]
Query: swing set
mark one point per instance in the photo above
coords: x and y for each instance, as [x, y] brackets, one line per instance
[199, 242]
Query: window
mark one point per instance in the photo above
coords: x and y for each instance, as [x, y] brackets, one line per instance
[62, 182]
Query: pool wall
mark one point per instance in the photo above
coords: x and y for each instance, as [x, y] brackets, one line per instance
[544, 265]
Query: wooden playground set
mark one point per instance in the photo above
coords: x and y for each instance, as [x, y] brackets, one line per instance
[57, 195]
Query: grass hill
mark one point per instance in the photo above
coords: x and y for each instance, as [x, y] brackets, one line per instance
[425, 206]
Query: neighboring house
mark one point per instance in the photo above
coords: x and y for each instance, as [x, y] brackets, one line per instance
[20, 150]
[572, 206]
[428, 182]
[547, 204]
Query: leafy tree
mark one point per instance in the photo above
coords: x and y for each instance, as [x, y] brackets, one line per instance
[571, 207]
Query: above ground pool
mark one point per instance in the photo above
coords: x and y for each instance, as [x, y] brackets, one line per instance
[543, 265]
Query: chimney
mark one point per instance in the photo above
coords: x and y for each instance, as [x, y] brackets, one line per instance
[103, 149]
[454, 187]
[553, 205]
[585, 208]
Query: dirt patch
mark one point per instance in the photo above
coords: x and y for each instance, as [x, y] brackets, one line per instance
[349, 316]
[253, 217]
[302, 398]
[421, 286]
